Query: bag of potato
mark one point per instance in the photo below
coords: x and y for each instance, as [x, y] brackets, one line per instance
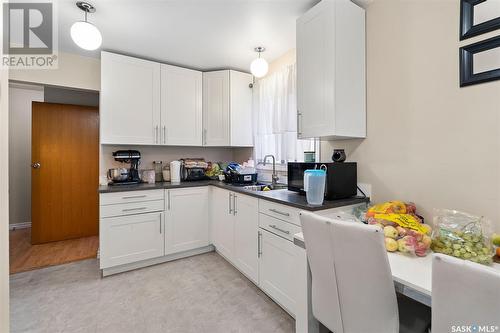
[404, 230]
[461, 235]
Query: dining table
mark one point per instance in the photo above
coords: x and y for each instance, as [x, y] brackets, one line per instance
[412, 277]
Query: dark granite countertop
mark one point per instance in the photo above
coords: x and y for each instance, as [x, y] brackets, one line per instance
[283, 196]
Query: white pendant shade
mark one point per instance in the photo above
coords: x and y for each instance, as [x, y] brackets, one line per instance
[86, 35]
[259, 67]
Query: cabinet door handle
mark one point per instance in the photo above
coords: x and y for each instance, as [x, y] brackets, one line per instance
[279, 229]
[134, 197]
[234, 204]
[230, 203]
[204, 136]
[133, 209]
[259, 244]
[279, 212]
[161, 215]
[299, 132]
[164, 134]
[168, 200]
[156, 134]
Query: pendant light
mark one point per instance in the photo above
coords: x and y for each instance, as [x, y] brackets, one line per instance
[259, 66]
[85, 34]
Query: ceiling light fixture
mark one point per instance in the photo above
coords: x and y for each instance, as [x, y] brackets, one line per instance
[259, 66]
[85, 34]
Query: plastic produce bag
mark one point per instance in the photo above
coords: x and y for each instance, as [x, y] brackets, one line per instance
[404, 230]
[461, 235]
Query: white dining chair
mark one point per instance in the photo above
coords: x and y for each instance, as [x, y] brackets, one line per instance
[464, 294]
[362, 275]
[325, 297]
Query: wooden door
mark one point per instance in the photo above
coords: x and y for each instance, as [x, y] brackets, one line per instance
[216, 108]
[181, 106]
[186, 222]
[65, 172]
[130, 100]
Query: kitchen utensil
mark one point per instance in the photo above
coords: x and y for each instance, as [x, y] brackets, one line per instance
[309, 156]
[127, 156]
[338, 155]
[118, 174]
[314, 185]
[148, 176]
[157, 166]
[175, 171]
[166, 173]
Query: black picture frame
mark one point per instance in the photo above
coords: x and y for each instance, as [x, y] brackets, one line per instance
[467, 76]
[467, 27]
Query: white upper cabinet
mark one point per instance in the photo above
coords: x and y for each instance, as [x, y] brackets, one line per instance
[216, 108]
[130, 100]
[241, 109]
[227, 109]
[331, 80]
[181, 106]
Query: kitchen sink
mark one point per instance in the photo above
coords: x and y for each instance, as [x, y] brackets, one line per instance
[261, 186]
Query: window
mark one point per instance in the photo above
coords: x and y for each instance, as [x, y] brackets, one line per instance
[275, 118]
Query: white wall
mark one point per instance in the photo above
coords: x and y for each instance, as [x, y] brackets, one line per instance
[20, 99]
[429, 141]
[4, 193]
[74, 71]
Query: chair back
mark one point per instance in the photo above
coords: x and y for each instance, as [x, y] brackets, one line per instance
[464, 294]
[364, 280]
[325, 300]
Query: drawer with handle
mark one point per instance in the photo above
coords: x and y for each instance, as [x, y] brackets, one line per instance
[132, 196]
[282, 212]
[132, 208]
[278, 227]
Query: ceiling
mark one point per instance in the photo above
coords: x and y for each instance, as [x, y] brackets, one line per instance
[200, 34]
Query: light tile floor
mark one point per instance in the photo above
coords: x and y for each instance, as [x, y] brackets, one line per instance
[198, 294]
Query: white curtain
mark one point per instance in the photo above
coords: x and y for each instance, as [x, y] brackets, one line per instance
[275, 117]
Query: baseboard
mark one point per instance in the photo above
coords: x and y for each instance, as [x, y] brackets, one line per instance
[22, 225]
[155, 261]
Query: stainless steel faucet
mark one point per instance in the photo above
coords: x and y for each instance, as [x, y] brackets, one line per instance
[275, 175]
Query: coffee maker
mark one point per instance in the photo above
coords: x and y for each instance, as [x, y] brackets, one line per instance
[122, 176]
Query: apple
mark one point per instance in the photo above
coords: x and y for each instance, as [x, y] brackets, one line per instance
[391, 244]
[391, 232]
[407, 244]
[421, 249]
[401, 231]
[495, 239]
[427, 240]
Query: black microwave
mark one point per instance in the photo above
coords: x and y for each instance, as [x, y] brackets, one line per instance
[341, 178]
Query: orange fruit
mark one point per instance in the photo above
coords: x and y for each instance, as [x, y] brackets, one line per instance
[498, 251]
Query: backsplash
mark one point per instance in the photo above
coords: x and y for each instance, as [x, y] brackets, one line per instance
[165, 154]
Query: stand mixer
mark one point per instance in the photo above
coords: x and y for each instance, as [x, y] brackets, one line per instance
[122, 176]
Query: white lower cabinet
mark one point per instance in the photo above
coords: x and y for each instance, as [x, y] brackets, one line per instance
[127, 239]
[223, 222]
[246, 227]
[186, 220]
[235, 219]
[277, 270]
